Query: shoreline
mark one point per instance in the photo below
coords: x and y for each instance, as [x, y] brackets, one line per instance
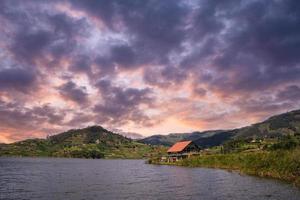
[237, 171]
[280, 165]
[109, 158]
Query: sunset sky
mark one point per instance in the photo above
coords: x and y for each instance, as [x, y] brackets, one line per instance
[146, 66]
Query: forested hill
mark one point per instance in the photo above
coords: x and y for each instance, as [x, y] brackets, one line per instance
[276, 126]
[97, 142]
[170, 139]
[90, 142]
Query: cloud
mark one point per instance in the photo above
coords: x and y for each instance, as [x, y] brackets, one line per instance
[81, 64]
[131, 135]
[71, 91]
[121, 105]
[29, 45]
[290, 93]
[198, 91]
[259, 50]
[37, 34]
[18, 79]
[156, 27]
[120, 56]
[123, 55]
[22, 119]
[164, 76]
[126, 63]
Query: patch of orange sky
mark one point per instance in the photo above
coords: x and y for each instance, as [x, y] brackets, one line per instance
[5, 138]
[169, 125]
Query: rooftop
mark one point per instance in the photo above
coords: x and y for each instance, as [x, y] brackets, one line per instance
[179, 146]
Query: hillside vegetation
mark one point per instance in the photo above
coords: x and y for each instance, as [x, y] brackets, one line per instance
[269, 157]
[276, 126]
[91, 142]
[268, 149]
[170, 139]
[280, 164]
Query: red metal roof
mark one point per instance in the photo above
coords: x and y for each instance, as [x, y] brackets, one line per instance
[179, 146]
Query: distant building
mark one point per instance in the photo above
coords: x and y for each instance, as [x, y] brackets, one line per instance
[182, 150]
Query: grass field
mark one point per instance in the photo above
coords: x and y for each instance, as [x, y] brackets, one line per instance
[280, 164]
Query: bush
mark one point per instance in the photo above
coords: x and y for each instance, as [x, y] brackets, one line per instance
[81, 152]
[233, 145]
[287, 142]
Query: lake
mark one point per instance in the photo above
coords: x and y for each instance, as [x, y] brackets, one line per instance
[58, 178]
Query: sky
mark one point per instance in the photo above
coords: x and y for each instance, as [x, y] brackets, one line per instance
[146, 67]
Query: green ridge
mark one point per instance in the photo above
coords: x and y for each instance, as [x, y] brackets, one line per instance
[90, 142]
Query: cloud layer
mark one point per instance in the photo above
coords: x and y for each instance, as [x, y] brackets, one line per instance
[145, 66]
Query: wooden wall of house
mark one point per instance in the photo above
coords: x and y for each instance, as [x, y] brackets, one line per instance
[191, 148]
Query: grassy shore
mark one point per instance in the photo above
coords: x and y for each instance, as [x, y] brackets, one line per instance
[281, 164]
[265, 157]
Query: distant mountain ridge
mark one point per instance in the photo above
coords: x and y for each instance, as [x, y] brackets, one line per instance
[131, 135]
[97, 142]
[170, 139]
[275, 126]
[128, 134]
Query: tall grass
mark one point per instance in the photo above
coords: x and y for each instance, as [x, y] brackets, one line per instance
[280, 164]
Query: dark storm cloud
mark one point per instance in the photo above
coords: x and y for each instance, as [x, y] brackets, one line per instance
[252, 106]
[14, 114]
[164, 77]
[52, 115]
[200, 54]
[291, 93]
[29, 45]
[17, 79]
[80, 118]
[36, 33]
[120, 56]
[123, 55]
[74, 93]
[257, 40]
[121, 105]
[261, 46]
[254, 40]
[81, 64]
[156, 26]
[105, 65]
[199, 91]
[245, 50]
[104, 9]
[205, 21]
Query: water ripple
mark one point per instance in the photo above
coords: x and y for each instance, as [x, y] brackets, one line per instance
[47, 179]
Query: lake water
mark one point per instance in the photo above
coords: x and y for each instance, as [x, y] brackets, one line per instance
[51, 179]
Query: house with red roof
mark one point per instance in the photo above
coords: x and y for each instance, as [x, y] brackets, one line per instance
[181, 150]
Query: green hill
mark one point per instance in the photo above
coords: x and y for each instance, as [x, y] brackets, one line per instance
[90, 142]
[170, 139]
[97, 142]
[276, 126]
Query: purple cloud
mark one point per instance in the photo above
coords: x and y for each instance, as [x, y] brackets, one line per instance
[123, 61]
[74, 93]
